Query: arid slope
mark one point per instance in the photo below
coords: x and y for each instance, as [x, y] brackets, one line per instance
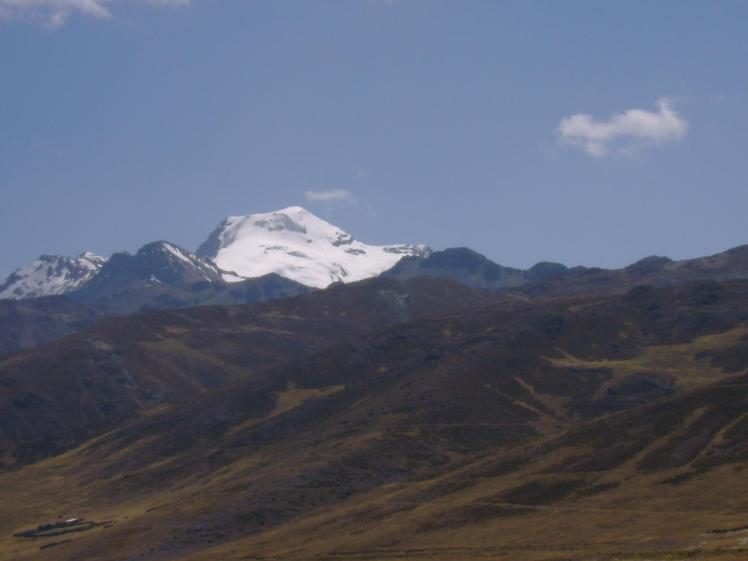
[586, 428]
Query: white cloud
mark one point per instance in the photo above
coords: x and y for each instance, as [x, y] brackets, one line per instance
[331, 197]
[52, 14]
[623, 133]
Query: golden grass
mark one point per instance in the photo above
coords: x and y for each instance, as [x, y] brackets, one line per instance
[286, 400]
[642, 520]
[293, 397]
[645, 521]
[681, 361]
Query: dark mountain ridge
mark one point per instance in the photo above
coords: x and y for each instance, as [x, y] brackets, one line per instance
[655, 271]
[547, 279]
[58, 394]
[469, 267]
[162, 276]
[26, 323]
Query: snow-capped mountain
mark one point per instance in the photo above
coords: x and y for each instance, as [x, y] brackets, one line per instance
[50, 275]
[292, 243]
[156, 263]
[164, 275]
[296, 244]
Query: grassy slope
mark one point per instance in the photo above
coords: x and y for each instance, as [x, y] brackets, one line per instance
[57, 395]
[646, 481]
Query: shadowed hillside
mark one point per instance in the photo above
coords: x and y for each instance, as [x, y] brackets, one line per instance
[653, 271]
[578, 428]
[56, 395]
[26, 323]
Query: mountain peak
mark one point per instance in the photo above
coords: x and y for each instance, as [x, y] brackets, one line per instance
[158, 264]
[298, 245]
[292, 219]
[293, 210]
[50, 275]
[164, 247]
[160, 261]
[469, 267]
[93, 257]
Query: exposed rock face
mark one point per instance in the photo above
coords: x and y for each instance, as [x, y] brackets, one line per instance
[164, 275]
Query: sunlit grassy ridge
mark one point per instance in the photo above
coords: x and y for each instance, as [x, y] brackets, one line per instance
[687, 364]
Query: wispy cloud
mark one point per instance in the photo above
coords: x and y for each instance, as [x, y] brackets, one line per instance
[52, 14]
[623, 133]
[331, 197]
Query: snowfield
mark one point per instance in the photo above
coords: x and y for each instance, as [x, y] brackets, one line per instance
[298, 245]
[50, 275]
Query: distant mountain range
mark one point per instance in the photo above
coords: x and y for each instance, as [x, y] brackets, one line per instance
[163, 275]
[286, 253]
[291, 243]
[473, 269]
[210, 405]
[554, 279]
[248, 258]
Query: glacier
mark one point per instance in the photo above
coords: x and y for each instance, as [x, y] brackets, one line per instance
[300, 246]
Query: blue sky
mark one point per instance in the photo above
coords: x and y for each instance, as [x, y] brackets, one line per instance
[589, 133]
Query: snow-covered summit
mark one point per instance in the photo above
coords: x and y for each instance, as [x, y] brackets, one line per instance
[50, 275]
[291, 242]
[298, 245]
